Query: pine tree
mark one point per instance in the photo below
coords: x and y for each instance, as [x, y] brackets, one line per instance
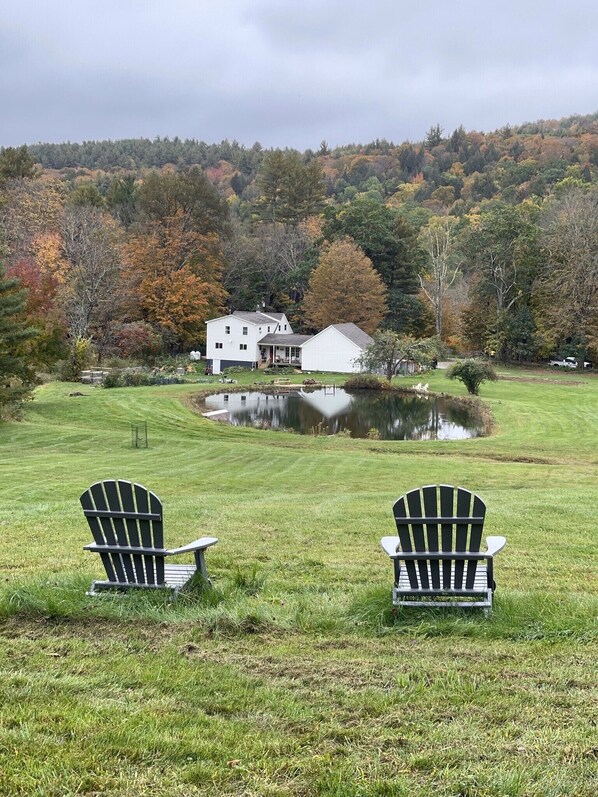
[17, 374]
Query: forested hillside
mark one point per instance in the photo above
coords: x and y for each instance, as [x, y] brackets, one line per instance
[489, 240]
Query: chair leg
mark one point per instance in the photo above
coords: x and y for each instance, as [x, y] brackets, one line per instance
[200, 564]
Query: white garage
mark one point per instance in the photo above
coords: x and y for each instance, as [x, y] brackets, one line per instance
[335, 349]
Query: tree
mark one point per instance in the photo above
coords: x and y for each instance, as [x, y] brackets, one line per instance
[568, 284]
[390, 350]
[15, 162]
[173, 258]
[501, 257]
[188, 195]
[17, 374]
[472, 373]
[86, 194]
[391, 244]
[267, 267]
[434, 136]
[290, 189]
[30, 223]
[121, 199]
[437, 240]
[89, 292]
[345, 287]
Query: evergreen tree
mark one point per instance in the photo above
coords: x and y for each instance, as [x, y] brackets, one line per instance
[15, 163]
[391, 244]
[290, 189]
[17, 375]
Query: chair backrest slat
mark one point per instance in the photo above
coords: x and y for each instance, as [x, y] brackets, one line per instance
[132, 519]
[400, 510]
[445, 519]
[447, 510]
[431, 510]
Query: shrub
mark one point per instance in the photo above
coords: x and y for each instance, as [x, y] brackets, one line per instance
[135, 379]
[280, 370]
[472, 373]
[364, 382]
[79, 356]
[138, 339]
[138, 378]
[113, 379]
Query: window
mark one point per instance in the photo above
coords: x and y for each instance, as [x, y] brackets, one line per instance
[285, 327]
[295, 352]
[244, 330]
[217, 345]
[227, 330]
[243, 346]
[268, 329]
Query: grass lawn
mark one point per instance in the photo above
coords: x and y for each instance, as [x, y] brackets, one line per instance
[293, 676]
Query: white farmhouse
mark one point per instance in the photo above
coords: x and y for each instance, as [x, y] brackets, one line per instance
[336, 348]
[233, 339]
[259, 339]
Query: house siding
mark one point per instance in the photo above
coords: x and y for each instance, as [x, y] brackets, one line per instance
[230, 353]
[330, 351]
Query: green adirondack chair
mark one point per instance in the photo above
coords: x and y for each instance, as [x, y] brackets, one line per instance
[437, 554]
[126, 522]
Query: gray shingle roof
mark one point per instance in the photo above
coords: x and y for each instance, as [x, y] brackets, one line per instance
[284, 340]
[257, 318]
[358, 336]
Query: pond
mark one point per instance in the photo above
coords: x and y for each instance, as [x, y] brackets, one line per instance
[393, 415]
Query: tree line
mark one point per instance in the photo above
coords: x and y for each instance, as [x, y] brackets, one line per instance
[488, 242]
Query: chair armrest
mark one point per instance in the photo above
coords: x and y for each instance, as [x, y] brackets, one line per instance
[198, 545]
[495, 544]
[390, 545]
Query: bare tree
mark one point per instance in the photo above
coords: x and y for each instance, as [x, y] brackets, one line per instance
[90, 290]
[568, 286]
[437, 240]
[266, 264]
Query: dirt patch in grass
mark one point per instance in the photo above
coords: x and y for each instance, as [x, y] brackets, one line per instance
[544, 379]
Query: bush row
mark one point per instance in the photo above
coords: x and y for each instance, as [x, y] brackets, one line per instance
[139, 379]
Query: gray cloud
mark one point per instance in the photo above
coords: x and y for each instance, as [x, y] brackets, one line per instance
[287, 74]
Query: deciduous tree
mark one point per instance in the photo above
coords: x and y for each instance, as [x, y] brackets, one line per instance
[568, 285]
[89, 291]
[345, 287]
[390, 350]
[472, 373]
[268, 267]
[391, 244]
[173, 259]
[437, 241]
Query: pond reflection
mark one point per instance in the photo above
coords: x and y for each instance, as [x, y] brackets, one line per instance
[394, 415]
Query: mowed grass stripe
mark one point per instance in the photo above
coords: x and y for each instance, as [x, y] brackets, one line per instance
[293, 675]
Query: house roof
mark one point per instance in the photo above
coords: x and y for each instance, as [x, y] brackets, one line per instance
[351, 332]
[284, 340]
[358, 336]
[257, 318]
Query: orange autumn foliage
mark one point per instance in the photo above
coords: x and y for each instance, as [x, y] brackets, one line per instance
[173, 277]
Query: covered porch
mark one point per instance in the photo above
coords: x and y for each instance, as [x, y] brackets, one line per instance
[281, 350]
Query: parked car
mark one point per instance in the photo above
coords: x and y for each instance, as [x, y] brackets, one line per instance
[574, 362]
[567, 362]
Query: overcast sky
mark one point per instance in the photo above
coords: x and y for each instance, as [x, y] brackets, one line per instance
[289, 73]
